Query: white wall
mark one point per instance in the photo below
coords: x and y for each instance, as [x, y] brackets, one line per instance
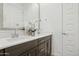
[51, 21]
[30, 12]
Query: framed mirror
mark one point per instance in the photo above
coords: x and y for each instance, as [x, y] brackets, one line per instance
[18, 15]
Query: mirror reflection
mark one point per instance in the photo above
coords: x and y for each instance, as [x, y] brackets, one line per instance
[17, 15]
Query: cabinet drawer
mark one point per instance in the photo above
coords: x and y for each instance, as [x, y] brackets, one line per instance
[19, 49]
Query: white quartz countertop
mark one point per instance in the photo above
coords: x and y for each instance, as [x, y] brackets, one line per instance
[8, 42]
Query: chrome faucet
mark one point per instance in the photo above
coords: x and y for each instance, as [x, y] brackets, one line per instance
[15, 31]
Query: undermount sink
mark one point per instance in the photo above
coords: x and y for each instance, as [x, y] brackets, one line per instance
[18, 38]
[15, 39]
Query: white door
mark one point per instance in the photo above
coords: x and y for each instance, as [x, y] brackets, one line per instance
[70, 29]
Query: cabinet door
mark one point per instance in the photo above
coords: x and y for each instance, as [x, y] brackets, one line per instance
[24, 54]
[1, 52]
[45, 46]
[33, 52]
[48, 47]
[30, 52]
[42, 49]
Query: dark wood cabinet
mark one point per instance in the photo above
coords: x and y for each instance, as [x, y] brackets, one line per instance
[38, 47]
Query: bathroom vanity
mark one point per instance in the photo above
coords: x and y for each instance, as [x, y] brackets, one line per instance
[35, 46]
[16, 17]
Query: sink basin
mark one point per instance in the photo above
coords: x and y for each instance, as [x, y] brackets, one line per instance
[14, 39]
[18, 38]
[8, 41]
